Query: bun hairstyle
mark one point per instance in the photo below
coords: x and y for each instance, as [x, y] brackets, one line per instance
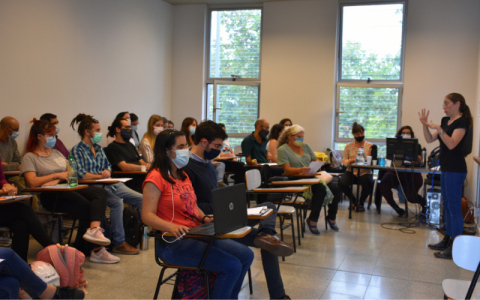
[356, 128]
[117, 123]
[84, 122]
[292, 130]
[464, 109]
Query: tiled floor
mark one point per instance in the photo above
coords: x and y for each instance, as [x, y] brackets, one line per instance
[363, 260]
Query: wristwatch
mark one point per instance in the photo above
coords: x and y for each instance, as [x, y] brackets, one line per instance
[442, 131]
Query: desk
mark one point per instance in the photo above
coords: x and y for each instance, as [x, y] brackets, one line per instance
[131, 172]
[305, 181]
[299, 175]
[100, 181]
[57, 188]
[225, 158]
[264, 216]
[15, 198]
[11, 173]
[422, 170]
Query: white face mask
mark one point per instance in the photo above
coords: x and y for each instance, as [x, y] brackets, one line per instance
[157, 130]
[406, 135]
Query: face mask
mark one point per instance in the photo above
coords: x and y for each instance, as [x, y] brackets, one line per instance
[14, 135]
[97, 138]
[134, 128]
[157, 130]
[182, 158]
[359, 139]
[214, 153]
[299, 142]
[192, 130]
[57, 129]
[264, 134]
[406, 135]
[129, 121]
[51, 141]
[126, 134]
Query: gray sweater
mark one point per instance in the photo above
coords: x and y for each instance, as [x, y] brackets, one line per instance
[9, 154]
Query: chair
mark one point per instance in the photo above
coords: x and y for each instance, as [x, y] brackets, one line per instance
[164, 266]
[58, 219]
[253, 182]
[465, 255]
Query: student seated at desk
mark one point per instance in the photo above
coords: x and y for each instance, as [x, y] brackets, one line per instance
[123, 156]
[58, 145]
[20, 218]
[232, 166]
[123, 115]
[92, 164]
[9, 131]
[273, 138]
[43, 166]
[295, 156]
[254, 146]
[286, 122]
[170, 205]
[170, 124]
[18, 281]
[209, 137]
[349, 156]
[390, 180]
[135, 137]
[189, 125]
[154, 127]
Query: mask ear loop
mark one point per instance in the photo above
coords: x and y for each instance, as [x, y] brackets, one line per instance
[173, 214]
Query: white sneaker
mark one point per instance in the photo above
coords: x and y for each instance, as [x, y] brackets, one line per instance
[95, 236]
[103, 257]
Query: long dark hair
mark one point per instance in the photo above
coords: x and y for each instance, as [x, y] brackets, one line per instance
[185, 124]
[399, 132]
[464, 109]
[117, 123]
[161, 162]
[85, 123]
[275, 132]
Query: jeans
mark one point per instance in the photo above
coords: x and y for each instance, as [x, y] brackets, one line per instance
[117, 194]
[220, 170]
[451, 184]
[366, 181]
[231, 260]
[15, 274]
[20, 218]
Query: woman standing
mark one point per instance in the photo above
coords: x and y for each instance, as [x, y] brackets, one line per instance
[451, 135]
[365, 178]
[155, 126]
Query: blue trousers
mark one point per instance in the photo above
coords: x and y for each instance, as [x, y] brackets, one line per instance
[231, 260]
[451, 184]
[15, 273]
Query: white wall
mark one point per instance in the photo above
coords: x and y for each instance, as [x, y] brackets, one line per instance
[95, 57]
[188, 55]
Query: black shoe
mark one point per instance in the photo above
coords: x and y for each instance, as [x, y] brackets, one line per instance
[68, 293]
[399, 211]
[285, 297]
[442, 245]
[447, 253]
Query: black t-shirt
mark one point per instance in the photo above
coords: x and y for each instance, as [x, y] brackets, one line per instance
[117, 152]
[453, 160]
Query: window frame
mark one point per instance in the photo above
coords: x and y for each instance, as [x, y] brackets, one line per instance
[362, 83]
[215, 80]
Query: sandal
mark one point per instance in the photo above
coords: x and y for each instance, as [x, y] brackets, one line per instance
[361, 208]
[333, 226]
[352, 207]
[313, 228]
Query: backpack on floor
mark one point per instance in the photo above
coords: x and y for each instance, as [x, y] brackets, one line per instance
[191, 285]
[132, 224]
[68, 262]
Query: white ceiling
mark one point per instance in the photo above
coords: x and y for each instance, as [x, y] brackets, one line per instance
[183, 2]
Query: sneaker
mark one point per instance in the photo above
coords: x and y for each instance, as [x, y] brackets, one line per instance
[5, 241]
[125, 248]
[103, 257]
[95, 236]
[68, 293]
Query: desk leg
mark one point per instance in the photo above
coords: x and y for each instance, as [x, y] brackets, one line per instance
[357, 200]
[60, 224]
[350, 198]
[477, 204]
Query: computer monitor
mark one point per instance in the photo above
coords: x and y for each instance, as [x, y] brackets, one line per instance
[402, 149]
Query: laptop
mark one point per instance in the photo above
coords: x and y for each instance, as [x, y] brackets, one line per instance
[229, 211]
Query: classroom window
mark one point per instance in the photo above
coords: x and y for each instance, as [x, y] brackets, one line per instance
[234, 49]
[370, 71]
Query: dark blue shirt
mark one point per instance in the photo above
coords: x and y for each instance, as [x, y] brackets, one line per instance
[204, 180]
[251, 147]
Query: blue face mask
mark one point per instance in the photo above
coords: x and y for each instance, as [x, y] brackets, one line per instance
[134, 127]
[182, 158]
[299, 142]
[14, 135]
[97, 138]
[192, 130]
[51, 141]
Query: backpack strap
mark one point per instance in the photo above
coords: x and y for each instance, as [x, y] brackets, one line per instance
[70, 257]
[59, 264]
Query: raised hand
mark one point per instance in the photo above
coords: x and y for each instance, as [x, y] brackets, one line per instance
[423, 116]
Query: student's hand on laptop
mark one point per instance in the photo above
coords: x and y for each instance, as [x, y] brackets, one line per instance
[178, 230]
[105, 174]
[305, 170]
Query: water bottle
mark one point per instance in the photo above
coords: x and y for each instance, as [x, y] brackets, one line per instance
[360, 156]
[72, 172]
[424, 156]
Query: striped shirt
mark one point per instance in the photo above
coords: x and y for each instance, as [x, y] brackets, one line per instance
[86, 162]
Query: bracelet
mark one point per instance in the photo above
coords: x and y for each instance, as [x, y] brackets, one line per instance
[203, 219]
[442, 131]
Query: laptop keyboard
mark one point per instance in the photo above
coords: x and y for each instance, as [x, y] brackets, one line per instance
[204, 229]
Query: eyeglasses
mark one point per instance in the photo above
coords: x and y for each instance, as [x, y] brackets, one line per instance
[445, 104]
[216, 146]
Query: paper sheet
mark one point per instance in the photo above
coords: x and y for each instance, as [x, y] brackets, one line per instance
[10, 198]
[119, 179]
[315, 166]
[255, 211]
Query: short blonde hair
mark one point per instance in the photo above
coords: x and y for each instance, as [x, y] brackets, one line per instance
[292, 130]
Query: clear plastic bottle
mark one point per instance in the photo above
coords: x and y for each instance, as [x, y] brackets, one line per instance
[72, 172]
[360, 159]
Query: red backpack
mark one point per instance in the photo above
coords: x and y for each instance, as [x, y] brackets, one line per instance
[68, 262]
